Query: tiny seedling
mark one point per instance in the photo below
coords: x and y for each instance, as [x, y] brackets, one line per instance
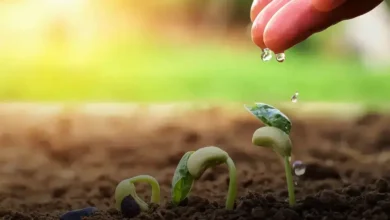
[192, 166]
[276, 137]
[127, 200]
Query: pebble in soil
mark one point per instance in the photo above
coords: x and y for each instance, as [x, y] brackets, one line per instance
[78, 214]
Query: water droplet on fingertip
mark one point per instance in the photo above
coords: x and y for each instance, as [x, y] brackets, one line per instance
[299, 168]
[266, 55]
[280, 57]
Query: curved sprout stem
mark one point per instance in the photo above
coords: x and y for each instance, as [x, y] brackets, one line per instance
[290, 181]
[211, 156]
[232, 191]
[126, 187]
[155, 198]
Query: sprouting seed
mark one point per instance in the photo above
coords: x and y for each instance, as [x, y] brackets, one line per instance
[299, 168]
[276, 137]
[127, 200]
[294, 98]
[192, 166]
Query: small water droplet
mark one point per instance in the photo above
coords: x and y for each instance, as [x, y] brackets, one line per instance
[296, 180]
[294, 98]
[299, 168]
[266, 55]
[280, 57]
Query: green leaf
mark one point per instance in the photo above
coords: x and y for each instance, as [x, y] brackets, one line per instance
[271, 116]
[182, 180]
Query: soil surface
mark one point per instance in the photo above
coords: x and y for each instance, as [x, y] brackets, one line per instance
[54, 164]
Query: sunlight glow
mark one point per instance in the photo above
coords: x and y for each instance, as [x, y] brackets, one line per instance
[34, 28]
[64, 32]
[64, 4]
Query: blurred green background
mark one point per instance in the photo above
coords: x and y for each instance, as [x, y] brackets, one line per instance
[167, 51]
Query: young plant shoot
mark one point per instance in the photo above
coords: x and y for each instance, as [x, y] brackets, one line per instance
[276, 137]
[192, 166]
[127, 200]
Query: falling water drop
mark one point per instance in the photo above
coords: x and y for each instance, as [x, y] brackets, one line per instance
[280, 57]
[296, 180]
[294, 98]
[299, 168]
[266, 55]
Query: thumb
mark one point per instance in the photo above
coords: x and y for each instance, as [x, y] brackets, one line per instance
[327, 5]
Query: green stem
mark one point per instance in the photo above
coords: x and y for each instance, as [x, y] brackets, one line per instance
[232, 192]
[155, 198]
[290, 181]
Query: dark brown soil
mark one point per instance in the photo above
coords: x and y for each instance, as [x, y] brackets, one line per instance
[72, 161]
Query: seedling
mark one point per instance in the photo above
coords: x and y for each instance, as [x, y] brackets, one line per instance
[276, 137]
[127, 200]
[192, 166]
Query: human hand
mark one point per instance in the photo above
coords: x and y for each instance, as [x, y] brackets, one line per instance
[280, 24]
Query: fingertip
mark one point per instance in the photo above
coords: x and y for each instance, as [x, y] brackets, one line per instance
[274, 40]
[257, 32]
[294, 23]
[288, 26]
[274, 35]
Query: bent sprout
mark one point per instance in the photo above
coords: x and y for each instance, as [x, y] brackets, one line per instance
[276, 137]
[192, 166]
[127, 200]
